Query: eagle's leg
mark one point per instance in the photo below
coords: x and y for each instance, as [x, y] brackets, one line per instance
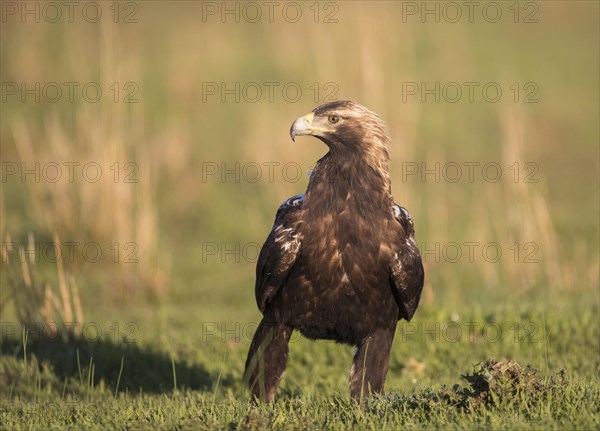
[267, 359]
[370, 365]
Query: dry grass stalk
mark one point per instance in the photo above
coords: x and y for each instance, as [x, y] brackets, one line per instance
[38, 307]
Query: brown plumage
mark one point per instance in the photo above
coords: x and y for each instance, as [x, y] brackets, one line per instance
[341, 262]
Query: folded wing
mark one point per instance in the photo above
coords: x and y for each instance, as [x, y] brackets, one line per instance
[406, 275]
[279, 253]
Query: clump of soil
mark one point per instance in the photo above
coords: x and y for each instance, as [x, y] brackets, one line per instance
[497, 382]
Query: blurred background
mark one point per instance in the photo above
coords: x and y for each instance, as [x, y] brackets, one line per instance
[151, 149]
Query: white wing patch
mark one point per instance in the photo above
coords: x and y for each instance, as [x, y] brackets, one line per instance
[289, 241]
[399, 273]
[401, 212]
[282, 233]
[294, 201]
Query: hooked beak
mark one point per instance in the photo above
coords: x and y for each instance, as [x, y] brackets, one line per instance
[302, 126]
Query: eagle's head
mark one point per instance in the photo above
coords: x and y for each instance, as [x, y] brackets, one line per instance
[348, 129]
[343, 125]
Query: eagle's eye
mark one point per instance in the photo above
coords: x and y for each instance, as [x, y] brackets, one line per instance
[333, 119]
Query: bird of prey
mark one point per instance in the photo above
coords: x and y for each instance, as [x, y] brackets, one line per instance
[341, 262]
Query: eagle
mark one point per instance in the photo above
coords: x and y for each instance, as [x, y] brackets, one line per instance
[340, 262]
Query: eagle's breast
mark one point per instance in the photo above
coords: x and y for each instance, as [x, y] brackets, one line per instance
[345, 229]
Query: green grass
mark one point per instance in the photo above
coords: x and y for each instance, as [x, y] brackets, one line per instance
[176, 326]
[77, 385]
[567, 407]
